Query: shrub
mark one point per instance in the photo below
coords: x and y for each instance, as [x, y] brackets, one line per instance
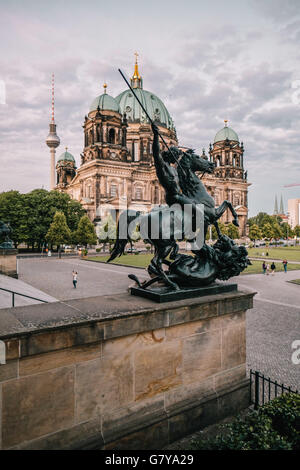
[275, 426]
[98, 250]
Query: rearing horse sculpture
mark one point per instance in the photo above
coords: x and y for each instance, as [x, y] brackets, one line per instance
[182, 186]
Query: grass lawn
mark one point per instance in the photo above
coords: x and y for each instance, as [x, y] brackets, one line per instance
[291, 253]
[142, 261]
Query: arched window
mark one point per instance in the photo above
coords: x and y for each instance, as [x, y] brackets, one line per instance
[218, 160]
[113, 190]
[111, 136]
[138, 193]
[236, 199]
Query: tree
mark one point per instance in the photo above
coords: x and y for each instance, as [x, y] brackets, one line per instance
[106, 231]
[59, 231]
[255, 233]
[277, 231]
[13, 211]
[30, 215]
[85, 233]
[233, 231]
[223, 229]
[297, 230]
[267, 231]
[287, 230]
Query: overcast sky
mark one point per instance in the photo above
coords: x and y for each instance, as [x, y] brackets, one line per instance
[207, 60]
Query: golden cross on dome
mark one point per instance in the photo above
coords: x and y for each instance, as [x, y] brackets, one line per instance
[66, 149]
[225, 121]
[105, 86]
[136, 57]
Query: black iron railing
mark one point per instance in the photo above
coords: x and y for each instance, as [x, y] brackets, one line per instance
[13, 293]
[263, 389]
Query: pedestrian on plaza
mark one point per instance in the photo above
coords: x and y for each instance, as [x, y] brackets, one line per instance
[268, 269]
[74, 274]
[264, 267]
[273, 267]
[285, 263]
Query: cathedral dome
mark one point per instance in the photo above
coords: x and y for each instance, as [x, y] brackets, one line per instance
[226, 133]
[153, 105]
[105, 102]
[66, 157]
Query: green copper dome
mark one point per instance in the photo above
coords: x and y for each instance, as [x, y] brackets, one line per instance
[226, 133]
[105, 102]
[66, 157]
[154, 106]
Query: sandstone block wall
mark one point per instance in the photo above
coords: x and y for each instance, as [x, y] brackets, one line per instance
[8, 262]
[98, 374]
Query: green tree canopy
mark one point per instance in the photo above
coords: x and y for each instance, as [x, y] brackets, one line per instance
[233, 231]
[287, 231]
[106, 230]
[267, 231]
[59, 231]
[30, 215]
[277, 231]
[297, 230]
[13, 211]
[85, 233]
[255, 232]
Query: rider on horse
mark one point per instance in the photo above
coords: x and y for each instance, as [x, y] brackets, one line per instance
[168, 177]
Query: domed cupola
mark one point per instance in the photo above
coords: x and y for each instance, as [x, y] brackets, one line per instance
[153, 105]
[105, 102]
[228, 154]
[65, 169]
[226, 133]
[66, 157]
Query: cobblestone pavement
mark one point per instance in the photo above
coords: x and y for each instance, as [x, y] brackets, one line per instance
[272, 325]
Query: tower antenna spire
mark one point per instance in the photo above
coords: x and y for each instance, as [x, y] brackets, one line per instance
[52, 119]
[52, 140]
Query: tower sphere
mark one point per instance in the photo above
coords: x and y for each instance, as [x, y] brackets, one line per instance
[53, 140]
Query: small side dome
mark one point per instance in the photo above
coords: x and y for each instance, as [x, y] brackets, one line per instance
[226, 133]
[66, 157]
[105, 102]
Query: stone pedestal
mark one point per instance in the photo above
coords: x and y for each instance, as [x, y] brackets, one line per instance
[8, 262]
[120, 372]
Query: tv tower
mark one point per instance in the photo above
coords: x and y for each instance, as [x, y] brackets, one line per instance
[52, 140]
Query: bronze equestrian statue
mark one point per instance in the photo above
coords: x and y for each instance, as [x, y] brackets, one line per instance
[182, 186]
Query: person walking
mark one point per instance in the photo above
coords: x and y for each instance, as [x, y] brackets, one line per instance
[268, 269]
[285, 263]
[264, 267]
[74, 274]
[273, 267]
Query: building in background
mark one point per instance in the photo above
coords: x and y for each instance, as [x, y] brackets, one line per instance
[280, 212]
[294, 212]
[117, 165]
[229, 180]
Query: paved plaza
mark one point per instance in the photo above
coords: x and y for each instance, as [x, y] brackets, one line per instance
[272, 325]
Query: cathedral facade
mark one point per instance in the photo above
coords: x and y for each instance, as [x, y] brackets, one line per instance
[117, 168]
